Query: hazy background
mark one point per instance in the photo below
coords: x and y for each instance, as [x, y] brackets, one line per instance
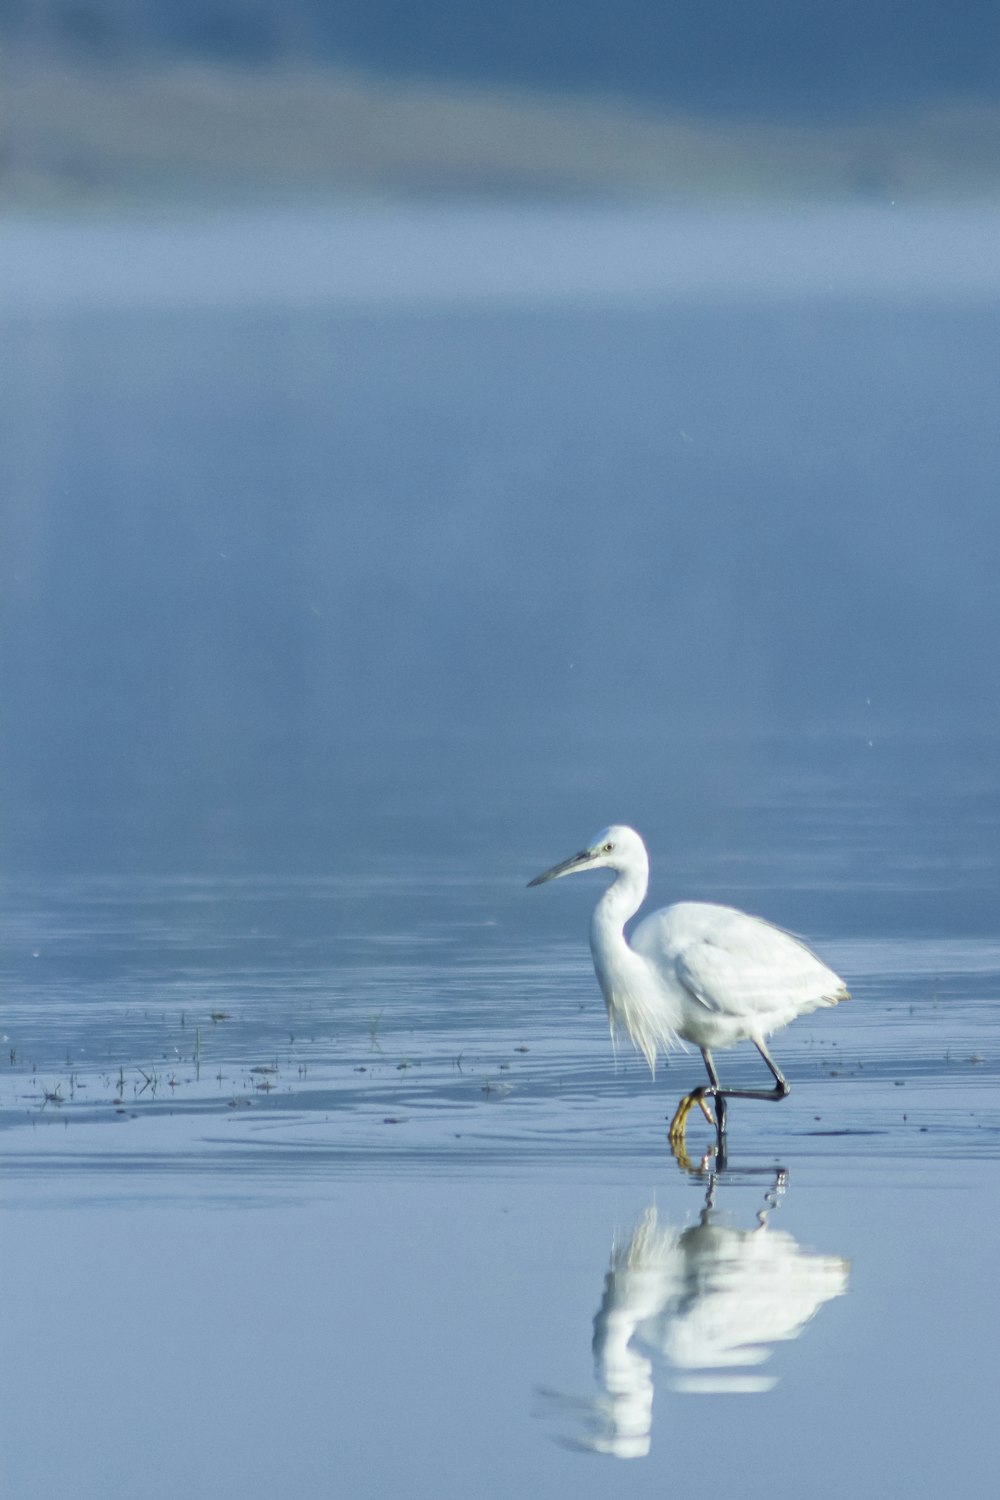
[465, 417]
[110, 97]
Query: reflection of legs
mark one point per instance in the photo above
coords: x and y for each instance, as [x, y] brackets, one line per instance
[714, 1090]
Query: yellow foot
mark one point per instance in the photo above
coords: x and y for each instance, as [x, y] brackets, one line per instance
[678, 1124]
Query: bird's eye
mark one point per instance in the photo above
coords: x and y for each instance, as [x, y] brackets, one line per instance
[607, 848]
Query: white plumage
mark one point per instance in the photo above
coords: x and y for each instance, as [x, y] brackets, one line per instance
[746, 977]
[693, 972]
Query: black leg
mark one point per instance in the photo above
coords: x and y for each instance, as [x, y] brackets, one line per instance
[781, 1088]
[714, 1091]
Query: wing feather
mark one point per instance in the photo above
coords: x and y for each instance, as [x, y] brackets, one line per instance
[737, 965]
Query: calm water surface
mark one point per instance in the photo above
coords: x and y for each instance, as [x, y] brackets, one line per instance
[334, 1182]
[328, 625]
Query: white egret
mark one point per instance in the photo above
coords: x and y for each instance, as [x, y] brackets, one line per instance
[693, 972]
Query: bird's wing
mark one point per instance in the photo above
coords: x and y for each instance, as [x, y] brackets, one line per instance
[738, 965]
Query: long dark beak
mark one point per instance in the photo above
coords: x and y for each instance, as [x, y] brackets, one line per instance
[575, 862]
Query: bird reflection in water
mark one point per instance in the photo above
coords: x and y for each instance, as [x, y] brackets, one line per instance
[711, 1301]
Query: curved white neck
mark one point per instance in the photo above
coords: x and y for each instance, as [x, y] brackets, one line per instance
[620, 901]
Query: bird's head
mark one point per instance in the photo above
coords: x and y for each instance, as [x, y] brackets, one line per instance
[615, 848]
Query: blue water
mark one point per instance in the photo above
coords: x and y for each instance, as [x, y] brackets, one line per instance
[330, 618]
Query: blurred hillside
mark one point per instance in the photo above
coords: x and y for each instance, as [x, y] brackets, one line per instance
[773, 59]
[126, 99]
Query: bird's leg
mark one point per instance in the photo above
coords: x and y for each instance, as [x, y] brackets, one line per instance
[719, 1095]
[780, 1090]
[699, 1096]
[781, 1087]
[714, 1091]
[720, 1102]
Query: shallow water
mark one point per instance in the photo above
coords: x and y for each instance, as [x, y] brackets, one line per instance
[364, 1023]
[328, 626]
[338, 1185]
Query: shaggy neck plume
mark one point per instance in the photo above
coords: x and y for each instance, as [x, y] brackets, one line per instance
[637, 1003]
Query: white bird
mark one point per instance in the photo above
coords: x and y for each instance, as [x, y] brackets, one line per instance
[693, 972]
